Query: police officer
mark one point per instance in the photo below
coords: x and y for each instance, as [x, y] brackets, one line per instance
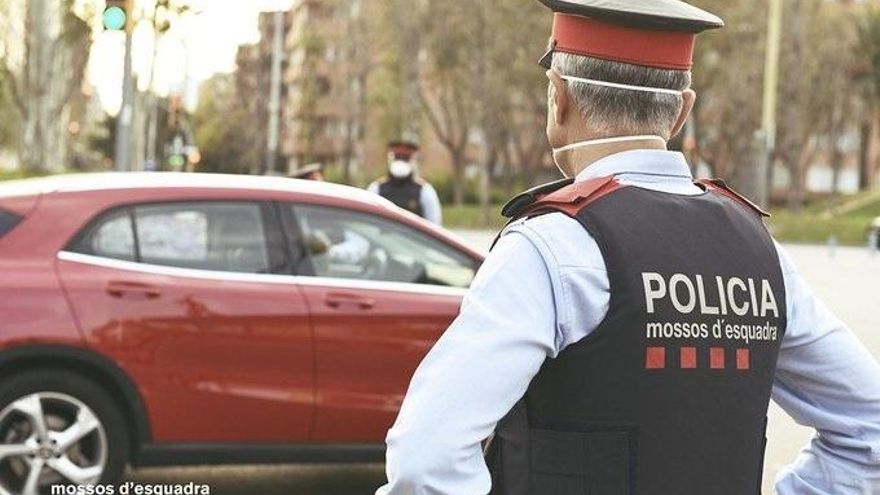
[627, 331]
[402, 187]
[312, 171]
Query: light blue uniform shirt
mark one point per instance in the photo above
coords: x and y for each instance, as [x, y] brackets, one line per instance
[545, 287]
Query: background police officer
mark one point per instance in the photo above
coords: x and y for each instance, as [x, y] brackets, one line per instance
[402, 187]
[629, 327]
[312, 171]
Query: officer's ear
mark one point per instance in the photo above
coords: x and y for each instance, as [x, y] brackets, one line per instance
[689, 97]
[557, 97]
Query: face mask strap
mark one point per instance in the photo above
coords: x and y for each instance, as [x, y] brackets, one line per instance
[619, 139]
[644, 89]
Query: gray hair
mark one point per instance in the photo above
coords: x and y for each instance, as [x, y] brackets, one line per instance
[615, 112]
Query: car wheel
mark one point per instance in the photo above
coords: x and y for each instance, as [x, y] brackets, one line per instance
[57, 427]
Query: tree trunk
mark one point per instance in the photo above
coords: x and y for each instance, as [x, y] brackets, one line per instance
[458, 176]
[485, 182]
[798, 167]
[866, 132]
[836, 165]
[54, 65]
[795, 189]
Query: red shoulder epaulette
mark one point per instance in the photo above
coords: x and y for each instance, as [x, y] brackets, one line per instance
[718, 185]
[564, 196]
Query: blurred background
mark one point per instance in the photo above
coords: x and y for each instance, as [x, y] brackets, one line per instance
[787, 111]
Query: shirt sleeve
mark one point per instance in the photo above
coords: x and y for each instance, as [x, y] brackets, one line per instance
[431, 204]
[373, 187]
[473, 376]
[353, 249]
[827, 379]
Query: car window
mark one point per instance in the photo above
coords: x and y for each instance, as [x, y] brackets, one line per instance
[338, 243]
[8, 221]
[114, 237]
[220, 236]
[110, 236]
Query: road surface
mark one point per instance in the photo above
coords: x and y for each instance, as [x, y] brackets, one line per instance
[848, 279]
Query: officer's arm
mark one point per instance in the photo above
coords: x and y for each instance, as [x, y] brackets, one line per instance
[474, 375]
[431, 204]
[826, 379]
[353, 249]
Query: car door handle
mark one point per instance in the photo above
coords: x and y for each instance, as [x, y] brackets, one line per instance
[132, 290]
[338, 300]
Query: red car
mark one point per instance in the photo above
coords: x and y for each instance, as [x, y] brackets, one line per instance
[159, 319]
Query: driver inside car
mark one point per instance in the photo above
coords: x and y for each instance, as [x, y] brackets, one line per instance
[331, 245]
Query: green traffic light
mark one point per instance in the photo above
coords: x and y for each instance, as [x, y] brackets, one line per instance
[176, 161]
[114, 18]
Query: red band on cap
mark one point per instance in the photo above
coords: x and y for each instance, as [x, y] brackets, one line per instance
[578, 35]
[404, 152]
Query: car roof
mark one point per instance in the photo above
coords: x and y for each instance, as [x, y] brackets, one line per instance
[108, 181]
[28, 190]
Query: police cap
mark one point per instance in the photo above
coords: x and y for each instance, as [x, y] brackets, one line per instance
[403, 150]
[650, 33]
[306, 171]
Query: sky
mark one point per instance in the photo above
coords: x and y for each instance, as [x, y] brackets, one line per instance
[199, 46]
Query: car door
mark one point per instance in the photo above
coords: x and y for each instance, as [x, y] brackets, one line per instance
[380, 294]
[194, 300]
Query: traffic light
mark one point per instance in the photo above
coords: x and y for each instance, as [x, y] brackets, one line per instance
[117, 15]
[177, 160]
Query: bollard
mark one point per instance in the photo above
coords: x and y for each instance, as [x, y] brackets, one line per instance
[832, 246]
[874, 237]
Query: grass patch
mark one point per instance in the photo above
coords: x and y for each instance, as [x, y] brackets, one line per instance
[10, 175]
[470, 217]
[850, 230]
[809, 227]
[871, 209]
[18, 174]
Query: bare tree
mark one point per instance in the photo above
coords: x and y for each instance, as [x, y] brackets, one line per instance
[357, 59]
[43, 78]
[817, 72]
[450, 83]
[396, 28]
[728, 76]
[869, 78]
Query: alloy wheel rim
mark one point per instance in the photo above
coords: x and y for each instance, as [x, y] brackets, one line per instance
[48, 438]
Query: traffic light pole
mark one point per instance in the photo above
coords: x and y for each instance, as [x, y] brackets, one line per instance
[126, 112]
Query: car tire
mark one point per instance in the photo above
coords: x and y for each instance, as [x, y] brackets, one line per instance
[70, 405]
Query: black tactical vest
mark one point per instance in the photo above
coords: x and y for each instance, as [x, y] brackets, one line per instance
[405, 193]
[669, 395]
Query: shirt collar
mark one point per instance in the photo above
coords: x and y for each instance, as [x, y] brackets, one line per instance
[661, 163]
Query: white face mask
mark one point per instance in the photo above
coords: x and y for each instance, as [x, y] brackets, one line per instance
[597, 142]
[400, 169]
[628, 87]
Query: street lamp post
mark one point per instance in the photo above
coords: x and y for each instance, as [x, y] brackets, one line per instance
[766, 136]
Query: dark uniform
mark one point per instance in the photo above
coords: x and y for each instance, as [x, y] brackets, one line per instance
[405, 193]
[643, 404]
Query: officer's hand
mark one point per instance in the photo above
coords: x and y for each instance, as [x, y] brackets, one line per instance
[317, 243]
